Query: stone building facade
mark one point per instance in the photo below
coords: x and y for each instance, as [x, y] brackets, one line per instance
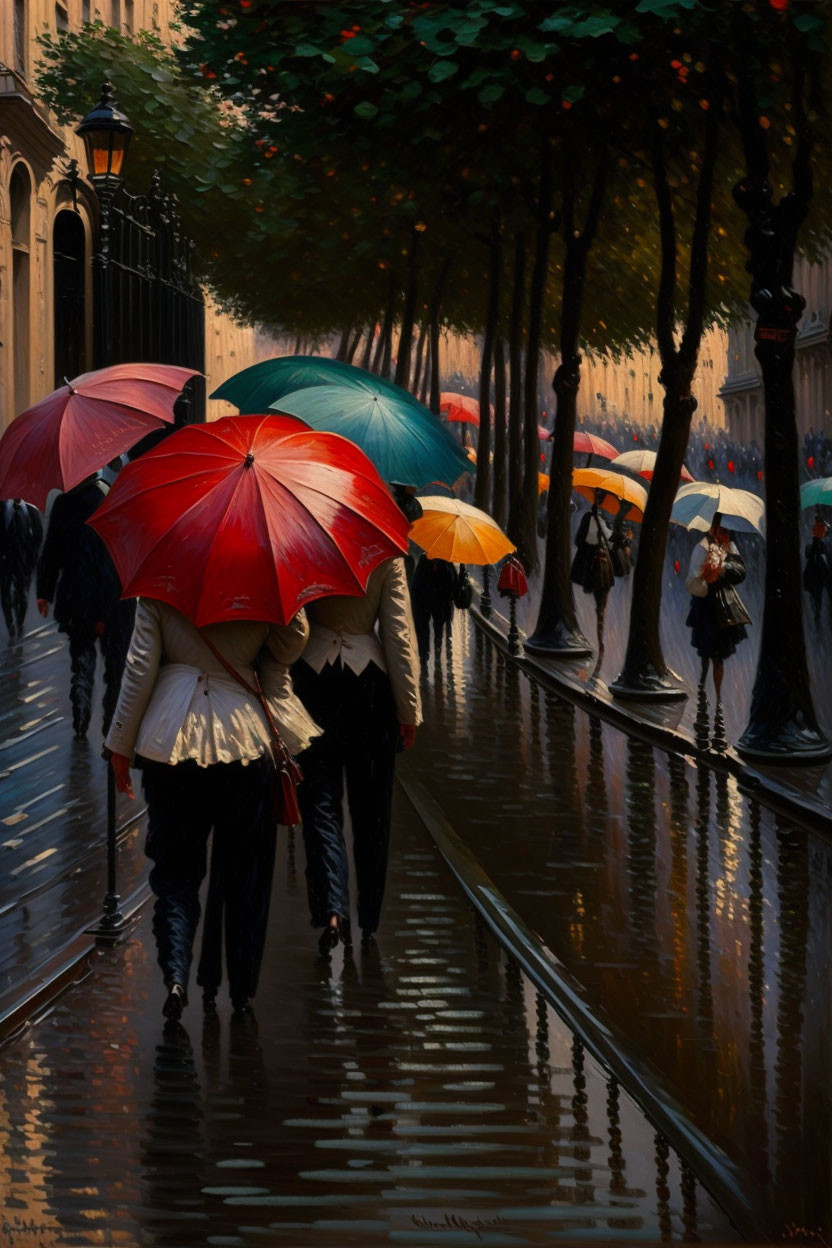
[742, 390]
[47, 240]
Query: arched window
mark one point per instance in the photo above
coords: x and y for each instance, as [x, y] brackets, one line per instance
[69, 277]
[20, 194]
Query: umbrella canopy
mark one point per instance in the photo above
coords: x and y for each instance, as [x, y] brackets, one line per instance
[542, 482]
[617, 487]
[455, 531]
[817, 493]
[258, 388]
[406, 442]
[82, 425]
[643, 463]
[697, 504]
[459, 407]
[248, 518]
[591, 444]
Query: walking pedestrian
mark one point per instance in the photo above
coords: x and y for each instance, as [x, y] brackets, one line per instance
[434, 586]
[592, 567]
[21, 533]
[817, 574]
[622, 541]
[191, 714]
[76, 573]
[362, 687]
[718, 616]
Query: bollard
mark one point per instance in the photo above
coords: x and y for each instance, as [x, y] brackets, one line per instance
[110, 927]
[485, 596]
[514, 647]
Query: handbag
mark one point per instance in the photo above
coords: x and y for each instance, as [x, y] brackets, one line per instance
[286, 775]
[731, 611]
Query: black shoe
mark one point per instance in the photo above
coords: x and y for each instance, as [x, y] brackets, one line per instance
[175, 1003]
[241, 1006]
[328, 939]
[209, 1000]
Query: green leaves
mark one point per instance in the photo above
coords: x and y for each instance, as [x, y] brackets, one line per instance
[440, 70]
[365, 109]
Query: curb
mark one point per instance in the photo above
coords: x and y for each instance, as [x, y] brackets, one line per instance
[565, 993]
[814, 815]
[64, 969]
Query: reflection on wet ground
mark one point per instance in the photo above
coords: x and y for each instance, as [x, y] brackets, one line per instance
[420, 1093]
[697, 919]
[52, 812]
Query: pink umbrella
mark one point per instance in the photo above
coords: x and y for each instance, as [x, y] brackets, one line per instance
[459, 407]
[82, 425]
[591, 444]
[543, 433]
[643, 463]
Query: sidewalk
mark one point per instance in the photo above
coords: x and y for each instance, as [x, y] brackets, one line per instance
[421, 1094]
[803, 793]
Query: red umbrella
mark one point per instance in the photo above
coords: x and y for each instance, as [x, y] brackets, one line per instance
[248, 518]
[543, 433]
[82, 425]
[591, 444]
[459, 407]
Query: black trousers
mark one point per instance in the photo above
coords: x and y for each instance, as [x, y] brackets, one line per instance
[184, 803]
[114, 642]
[358, 716]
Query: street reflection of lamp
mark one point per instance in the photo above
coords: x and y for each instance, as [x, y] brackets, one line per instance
[106, 133]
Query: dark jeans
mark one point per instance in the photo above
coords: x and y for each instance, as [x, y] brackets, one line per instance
[114, 643]
[358, 716]
[185, 802]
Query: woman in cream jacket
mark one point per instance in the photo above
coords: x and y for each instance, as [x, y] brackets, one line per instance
[203, 745]
[362, 687]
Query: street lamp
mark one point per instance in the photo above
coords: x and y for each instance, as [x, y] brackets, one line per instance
[106, 134]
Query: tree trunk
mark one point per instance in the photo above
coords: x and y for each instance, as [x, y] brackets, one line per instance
[408, 312]
[782, 725]
[367, 356]
[557, 630]
[433, 321]
[499, 505]
[515, 411]
[426, 375]
[341, 353]
[353, 346]
[482, 488]
[645, 673]
[386, 327]
[417, 367]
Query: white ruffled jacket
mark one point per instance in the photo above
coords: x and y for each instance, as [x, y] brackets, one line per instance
[178, 702]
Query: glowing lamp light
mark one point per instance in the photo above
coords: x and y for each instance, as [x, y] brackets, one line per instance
[106, 134]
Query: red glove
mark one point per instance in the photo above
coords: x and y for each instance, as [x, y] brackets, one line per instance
[120, 764]
[43, 607]
[408, 734]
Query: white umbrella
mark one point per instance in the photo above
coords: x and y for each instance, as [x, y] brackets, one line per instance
[643, 463]
[697, 504]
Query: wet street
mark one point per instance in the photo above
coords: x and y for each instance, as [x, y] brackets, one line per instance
[425, 1092]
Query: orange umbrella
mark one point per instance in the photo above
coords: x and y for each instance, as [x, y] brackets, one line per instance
[585, 481]
[456, 531]
[542, 482]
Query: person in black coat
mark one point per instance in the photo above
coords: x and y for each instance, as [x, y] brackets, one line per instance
[77, 577]
[433, 589]
[21, 533]
[817, 574]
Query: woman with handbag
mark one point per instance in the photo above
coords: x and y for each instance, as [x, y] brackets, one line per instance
[592, 567]
[717, 616]
[213, 745]
[362, 687]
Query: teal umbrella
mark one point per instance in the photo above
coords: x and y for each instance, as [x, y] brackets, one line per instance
[406, 442]
[258, 388]
[817, 493]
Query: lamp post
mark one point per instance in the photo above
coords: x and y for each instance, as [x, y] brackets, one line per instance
[106, 134]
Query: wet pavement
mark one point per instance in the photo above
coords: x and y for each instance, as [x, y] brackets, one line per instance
[699, 921]
[52, 814]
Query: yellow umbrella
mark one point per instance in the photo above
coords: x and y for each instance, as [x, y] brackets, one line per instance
[456, 531]
[587, 480]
